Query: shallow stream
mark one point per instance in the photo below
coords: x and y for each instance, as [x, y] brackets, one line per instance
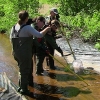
[57, 84]
[82, 51]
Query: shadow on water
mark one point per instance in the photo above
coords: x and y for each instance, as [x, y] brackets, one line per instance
[89, 78]
[67, 77]
[69, 91]
[62, 77]
[46, 97]
[73, 91]
[49, 89]
[60, 68]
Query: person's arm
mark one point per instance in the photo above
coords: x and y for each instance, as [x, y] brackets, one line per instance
[35, 33]
[47, 29]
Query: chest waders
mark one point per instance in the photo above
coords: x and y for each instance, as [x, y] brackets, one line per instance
[22, 50]
[41, 54]
[51, 43]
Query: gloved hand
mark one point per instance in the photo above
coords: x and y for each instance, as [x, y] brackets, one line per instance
[59, 50]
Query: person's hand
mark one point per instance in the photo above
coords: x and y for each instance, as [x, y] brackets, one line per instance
[48, 28]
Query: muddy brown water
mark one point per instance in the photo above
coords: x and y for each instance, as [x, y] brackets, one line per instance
[55, 84]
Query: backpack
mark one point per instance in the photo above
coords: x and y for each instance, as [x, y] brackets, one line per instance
[15, 37]
[16, 33]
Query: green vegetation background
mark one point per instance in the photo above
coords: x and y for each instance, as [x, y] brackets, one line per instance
[81, 17]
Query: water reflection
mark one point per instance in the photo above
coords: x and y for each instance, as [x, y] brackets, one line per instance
[7, 63]
[46, 88]
[69, 91]
[64, 91]
[62, 77]
[46, 97]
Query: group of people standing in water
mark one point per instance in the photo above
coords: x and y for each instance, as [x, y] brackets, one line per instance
[34, 38]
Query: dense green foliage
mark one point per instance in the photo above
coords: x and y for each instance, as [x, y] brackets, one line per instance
[89, 25]
[72, 7]
[80, 15]
[97, 45]
[9, 11]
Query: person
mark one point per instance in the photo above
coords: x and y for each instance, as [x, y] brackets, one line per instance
[54, 15]
[53, 19]
[21, 37]
[51, 42]
[29, 22]
[42, 48]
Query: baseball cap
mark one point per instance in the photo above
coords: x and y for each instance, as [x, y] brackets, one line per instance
[54, 10]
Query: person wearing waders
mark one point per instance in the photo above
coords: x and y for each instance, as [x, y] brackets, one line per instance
[54, 15]
[42, 49]
[51, 42]
[34, 47]
[21, 37]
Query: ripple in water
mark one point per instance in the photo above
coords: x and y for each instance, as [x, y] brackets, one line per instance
[83, 51]
[8, 69]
